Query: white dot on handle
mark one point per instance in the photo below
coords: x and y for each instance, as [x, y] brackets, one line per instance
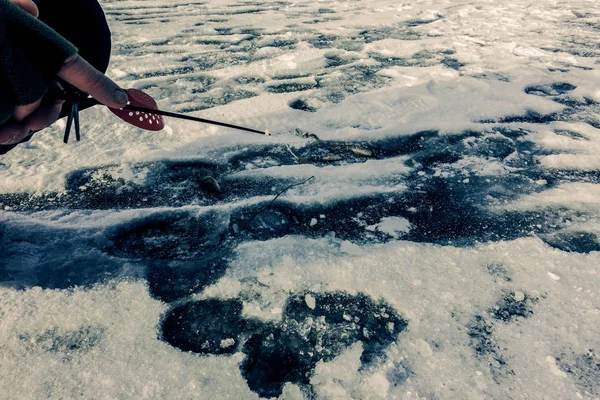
[150, 122]
[131, 114]
[137, 113]
[141, 119]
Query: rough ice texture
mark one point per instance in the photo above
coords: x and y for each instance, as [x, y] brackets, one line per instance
[447, 245]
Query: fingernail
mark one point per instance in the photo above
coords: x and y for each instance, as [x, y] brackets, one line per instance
[120, 96]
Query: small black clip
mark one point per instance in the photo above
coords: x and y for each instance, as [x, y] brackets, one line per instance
[73, 116]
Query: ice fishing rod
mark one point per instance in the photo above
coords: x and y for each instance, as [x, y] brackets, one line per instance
[141, 111]
[195, 119]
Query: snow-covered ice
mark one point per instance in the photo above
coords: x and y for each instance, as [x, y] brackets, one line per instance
[447, 245]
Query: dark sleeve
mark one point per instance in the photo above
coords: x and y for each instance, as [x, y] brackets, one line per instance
[31, 54]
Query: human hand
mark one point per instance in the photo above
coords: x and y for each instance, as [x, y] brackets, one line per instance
[41, 114]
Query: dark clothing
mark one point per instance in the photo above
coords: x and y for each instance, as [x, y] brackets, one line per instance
[31, 53]
[81, 22]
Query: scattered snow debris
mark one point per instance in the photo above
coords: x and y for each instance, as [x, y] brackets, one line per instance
[519, 296]
[392, 226]
[390, 326]
[310, 301]
[366, 333]
[553, 276]
[362, 152]
[313, 222]
[225, 343]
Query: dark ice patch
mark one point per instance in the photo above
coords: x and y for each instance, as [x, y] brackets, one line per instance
[584, 369]
[399, 373]
[530, 117]
[452, 63]
[509, 307]
[554, 89]
[71, 268]
[217, 97]
[186, 250]
[171, 280]
[207, 326]
[249, 80]
[187, 69]
[570, 134]
[486, 349]
[577, 109]
[281, 77]
[336, 60]
[492, 76]
[499, 272]
[66, 343]
[576, 242]
[169, 235]
[290, 87]
[302, 105]
[350, 318]
[289, 350]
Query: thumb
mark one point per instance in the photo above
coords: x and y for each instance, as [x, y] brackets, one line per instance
[28, 6]
[83, 76]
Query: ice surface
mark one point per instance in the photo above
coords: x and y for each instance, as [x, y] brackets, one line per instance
[447, 245]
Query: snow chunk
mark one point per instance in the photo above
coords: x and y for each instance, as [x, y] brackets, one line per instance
[553, 276]
[519, 296]
[311, 302]
[225, 343]
[392, 226]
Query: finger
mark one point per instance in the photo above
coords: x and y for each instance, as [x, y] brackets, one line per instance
[28, 6]
[22, 112]
[44, 116]
[13, 132]
[83, 76]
